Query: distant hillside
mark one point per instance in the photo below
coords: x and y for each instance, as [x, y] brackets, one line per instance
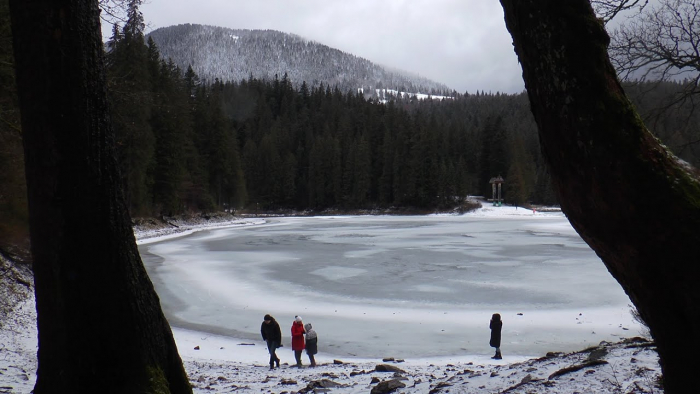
[232, 55]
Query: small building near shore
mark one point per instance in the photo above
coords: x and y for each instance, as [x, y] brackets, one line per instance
[496, 190]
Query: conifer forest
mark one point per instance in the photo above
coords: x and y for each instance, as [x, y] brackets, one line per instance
[269, 145]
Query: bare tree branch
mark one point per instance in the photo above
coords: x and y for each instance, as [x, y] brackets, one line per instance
[113, 11]
[662, 43]
[609, 9]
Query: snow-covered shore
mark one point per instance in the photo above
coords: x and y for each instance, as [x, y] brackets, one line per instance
[221, 364]
[149, 230]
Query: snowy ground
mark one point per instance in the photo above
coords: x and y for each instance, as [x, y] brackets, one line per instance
[623, 367]
[223, 364]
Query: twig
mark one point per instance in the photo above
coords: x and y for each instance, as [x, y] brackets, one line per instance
[577, 367]
[526, 380]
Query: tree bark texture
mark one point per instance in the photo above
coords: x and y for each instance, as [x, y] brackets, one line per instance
[101, 327]
[629, 198]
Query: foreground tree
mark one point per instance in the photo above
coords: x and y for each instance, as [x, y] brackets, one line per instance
[628, 197]
[101, 328]
[14, 227]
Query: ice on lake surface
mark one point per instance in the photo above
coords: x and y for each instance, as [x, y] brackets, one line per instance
[399, 286]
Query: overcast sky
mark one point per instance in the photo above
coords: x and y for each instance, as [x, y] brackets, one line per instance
[461, 43]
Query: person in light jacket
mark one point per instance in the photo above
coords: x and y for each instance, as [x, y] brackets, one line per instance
[495, 325]
[311, 343]
[272, 335]
[298, 339]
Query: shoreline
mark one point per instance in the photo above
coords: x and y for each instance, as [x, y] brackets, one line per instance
[222, 364]
[609, 324]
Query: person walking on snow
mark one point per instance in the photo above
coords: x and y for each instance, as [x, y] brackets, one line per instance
[298, 338]
[272, 335]
[311, 343]
[495, 325]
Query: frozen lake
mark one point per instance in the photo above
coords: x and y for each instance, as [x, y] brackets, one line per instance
[396, 286]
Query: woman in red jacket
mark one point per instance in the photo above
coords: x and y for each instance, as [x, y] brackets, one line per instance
[298, 339]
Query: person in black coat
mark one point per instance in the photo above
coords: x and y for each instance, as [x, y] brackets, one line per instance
[495, 325]
[271, 334]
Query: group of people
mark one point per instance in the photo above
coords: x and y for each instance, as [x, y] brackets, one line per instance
[303, 337]
[272, 335]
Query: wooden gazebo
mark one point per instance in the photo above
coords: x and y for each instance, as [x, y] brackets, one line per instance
[496, 190]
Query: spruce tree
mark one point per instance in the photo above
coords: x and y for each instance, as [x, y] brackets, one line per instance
[130, 98]
[169, 122]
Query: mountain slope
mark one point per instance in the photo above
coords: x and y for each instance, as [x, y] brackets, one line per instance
[232, 55]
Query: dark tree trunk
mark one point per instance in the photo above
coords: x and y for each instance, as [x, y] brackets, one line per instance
[631, 200]
[101, 328]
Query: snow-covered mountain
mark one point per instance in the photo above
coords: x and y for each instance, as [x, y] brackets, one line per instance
[232, 55]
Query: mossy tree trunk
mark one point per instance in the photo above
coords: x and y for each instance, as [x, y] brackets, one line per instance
[629, 198]
[101, 328]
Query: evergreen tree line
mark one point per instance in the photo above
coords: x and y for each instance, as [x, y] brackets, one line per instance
[261, 144]
[188, 146]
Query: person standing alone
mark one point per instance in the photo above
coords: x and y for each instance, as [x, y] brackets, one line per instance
[272, 335]
[298, 339]
[495, 325]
